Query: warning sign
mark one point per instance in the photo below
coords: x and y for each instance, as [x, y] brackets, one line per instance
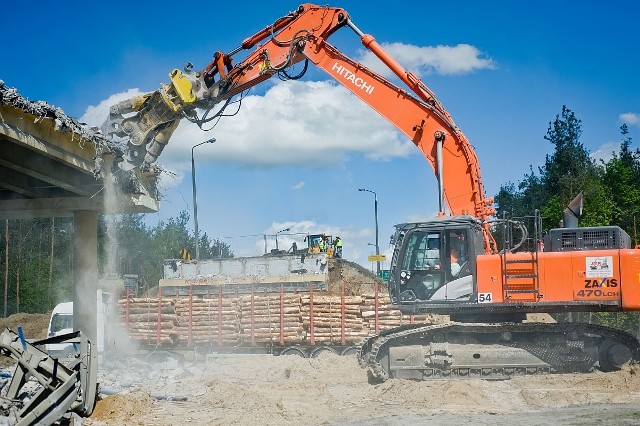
[377, 258]
[599, 267]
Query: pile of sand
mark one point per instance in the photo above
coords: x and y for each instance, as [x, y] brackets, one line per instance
[122, 409]
[357, 280]
[34, 326]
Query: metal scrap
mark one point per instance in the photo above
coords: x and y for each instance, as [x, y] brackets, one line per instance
[42, 389]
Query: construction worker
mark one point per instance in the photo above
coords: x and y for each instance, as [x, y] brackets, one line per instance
[321, 245]
[338, 247]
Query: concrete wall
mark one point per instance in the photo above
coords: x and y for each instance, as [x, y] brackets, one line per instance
[244, 273]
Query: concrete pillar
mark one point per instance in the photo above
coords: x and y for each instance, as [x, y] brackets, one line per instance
[85, 273]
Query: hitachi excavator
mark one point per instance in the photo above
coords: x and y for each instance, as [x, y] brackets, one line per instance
[448, 265]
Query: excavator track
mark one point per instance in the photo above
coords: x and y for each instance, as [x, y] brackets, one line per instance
[494, 350]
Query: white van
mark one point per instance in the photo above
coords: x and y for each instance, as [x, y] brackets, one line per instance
[61, 322]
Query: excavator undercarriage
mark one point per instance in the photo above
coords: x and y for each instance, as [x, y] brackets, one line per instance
[494, 350]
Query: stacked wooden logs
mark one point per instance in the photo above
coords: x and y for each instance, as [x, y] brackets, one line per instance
[388, 315]
[142, 320]
[261, 320]
[328, 319]
[208, 320]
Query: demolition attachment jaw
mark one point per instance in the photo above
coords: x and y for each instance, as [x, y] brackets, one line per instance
[145, 123]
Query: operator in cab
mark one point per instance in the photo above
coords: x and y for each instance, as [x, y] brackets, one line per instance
[455, 266]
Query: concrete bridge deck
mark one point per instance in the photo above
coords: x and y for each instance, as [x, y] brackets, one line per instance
[53, 166]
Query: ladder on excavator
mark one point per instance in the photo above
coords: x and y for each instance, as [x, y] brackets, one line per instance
[520, 276]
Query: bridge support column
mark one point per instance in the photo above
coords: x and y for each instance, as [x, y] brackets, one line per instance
[85, 273]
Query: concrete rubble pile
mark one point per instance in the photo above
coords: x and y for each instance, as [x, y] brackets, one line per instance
[63, 123]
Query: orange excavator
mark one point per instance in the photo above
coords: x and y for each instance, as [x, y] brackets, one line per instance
[451, 264]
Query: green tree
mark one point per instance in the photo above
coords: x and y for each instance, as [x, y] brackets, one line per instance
[37, 280]
[40, 255]
[621, 178]
[566, 172]
[214, 249]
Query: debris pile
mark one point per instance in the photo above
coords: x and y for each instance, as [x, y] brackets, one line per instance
[63, 123]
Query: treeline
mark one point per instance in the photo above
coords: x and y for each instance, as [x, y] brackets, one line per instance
[37, 255]
[611, 192]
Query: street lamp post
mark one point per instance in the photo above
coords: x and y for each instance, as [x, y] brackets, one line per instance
[282, 230]
[195, 203]
[372, 245]
[375, 207]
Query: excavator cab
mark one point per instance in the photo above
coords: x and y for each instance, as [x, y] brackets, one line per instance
[434, 261]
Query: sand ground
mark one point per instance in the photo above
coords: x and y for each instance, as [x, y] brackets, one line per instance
[332, 390]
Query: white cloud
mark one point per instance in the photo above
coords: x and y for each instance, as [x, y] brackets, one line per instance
[605, 151]
[294, 123]
[298, 186]
[95, 115]
[424, 60]
[631, 118]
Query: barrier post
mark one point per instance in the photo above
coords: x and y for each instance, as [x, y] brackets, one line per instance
[312, 337]
[343, 340]
[190, 335]
[220, 316]
[253, 336]
[281, 314]
[377, 308]
[159, 319]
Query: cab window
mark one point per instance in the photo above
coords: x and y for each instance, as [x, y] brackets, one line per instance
[61, 321]
[458, 253]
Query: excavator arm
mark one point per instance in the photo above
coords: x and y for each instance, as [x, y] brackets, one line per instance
[147, 122]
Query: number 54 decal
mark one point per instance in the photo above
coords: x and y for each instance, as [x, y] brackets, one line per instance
[484, 298]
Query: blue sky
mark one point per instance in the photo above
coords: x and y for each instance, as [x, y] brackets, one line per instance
[296, 153]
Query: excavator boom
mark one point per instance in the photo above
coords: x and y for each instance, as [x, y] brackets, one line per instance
[147, 122]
